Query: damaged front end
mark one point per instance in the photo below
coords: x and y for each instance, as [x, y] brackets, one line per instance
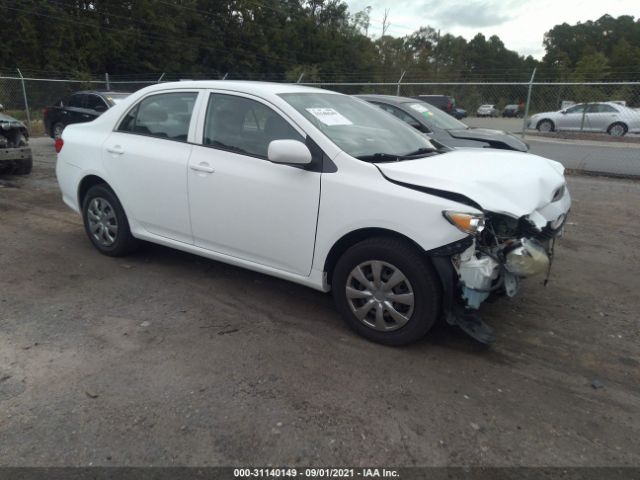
[15, 154]
[501, 250]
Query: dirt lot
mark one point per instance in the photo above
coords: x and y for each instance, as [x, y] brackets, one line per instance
[165, 358]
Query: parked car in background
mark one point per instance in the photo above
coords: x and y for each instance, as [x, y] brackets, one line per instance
[15, 154]
[459, 113]
[487, 111]
[513, 110]
[445, 103]
[443, 128]
[610, 117]
[78, 108]
[400, 232]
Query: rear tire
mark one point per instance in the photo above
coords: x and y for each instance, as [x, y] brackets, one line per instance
[56, 130]
[106, 223]
[387, 291]
[617, 129]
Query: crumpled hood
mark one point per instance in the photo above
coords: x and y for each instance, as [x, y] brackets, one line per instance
[500, 181]
[492, 137]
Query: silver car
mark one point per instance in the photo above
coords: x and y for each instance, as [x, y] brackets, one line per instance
[610, 117]
[487, 111]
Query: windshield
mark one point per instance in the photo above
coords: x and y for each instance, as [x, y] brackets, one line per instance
[360, 129]
[436, 117]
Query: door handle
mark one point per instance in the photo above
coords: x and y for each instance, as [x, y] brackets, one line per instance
[116, 150]
[202, 167]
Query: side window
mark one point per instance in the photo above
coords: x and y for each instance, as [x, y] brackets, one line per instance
[576, 109]
[243, 125]
[95, 102]
[166, 115]
[405, 117]
[604, 108]
[76, 100]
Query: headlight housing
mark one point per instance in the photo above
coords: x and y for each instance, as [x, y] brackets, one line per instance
[470, 223]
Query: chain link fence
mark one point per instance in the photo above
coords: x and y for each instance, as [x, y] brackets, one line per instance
[568, 107]
[26, 98]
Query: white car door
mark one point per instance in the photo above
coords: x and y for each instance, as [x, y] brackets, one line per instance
[146, 157]
[241, 204]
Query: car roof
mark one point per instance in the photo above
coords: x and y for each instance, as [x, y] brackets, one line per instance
[101, 92]
[391, 99]
[247, 86]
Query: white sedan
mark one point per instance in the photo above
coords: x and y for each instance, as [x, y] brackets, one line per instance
[318, 188]
[610, 117]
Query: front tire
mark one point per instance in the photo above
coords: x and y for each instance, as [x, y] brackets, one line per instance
[617, 130]
[106, 223]
[387, 291]
[545, 126]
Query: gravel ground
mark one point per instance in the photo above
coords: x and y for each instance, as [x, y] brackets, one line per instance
[164, 358]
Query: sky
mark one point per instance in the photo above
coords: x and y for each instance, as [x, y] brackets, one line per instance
[520, 24]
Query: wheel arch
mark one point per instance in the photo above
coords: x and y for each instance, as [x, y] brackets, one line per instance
[553, 124]
[350, 239]
[86, 183]
[618, 122]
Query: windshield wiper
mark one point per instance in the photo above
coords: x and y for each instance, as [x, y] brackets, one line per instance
[420, 151]
[389, 157]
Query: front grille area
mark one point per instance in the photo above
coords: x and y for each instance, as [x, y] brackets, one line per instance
[527, 229]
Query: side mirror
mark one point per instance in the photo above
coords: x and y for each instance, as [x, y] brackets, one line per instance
[100, 108]
[563, 112]
[290, 152]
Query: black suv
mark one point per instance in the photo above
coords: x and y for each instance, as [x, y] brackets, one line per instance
[78, 108]
[443, 102]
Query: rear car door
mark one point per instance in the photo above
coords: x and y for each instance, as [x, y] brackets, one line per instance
[96, 106]
[74, 109]
[600, 116]
[147, 156]
[243, 205]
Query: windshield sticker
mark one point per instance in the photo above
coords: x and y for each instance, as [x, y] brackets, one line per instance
[421, 109]
[329, 116]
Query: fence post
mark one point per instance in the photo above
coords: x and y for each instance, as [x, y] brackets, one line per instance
[526, 107]
[300, 77]
[26, 103]
[106, 81]
[584, 112]
[161, 77]
[400, 81]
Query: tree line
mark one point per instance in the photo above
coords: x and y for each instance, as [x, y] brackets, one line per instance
[285, 40]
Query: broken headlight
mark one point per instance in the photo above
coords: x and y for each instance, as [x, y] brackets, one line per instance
[471, 223]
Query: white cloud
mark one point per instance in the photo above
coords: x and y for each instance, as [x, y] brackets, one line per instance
[520, 24]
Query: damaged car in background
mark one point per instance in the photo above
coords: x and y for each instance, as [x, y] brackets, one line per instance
[321, 189]
[15, 154]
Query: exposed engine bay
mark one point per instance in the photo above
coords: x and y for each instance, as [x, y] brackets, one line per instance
[504, 251]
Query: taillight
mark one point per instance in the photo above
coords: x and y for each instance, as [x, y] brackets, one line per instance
[59, 144]
[45, 112]
[449, 106]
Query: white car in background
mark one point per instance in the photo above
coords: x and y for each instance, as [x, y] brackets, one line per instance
[611, 117]
[318, 188]
[487, 111]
